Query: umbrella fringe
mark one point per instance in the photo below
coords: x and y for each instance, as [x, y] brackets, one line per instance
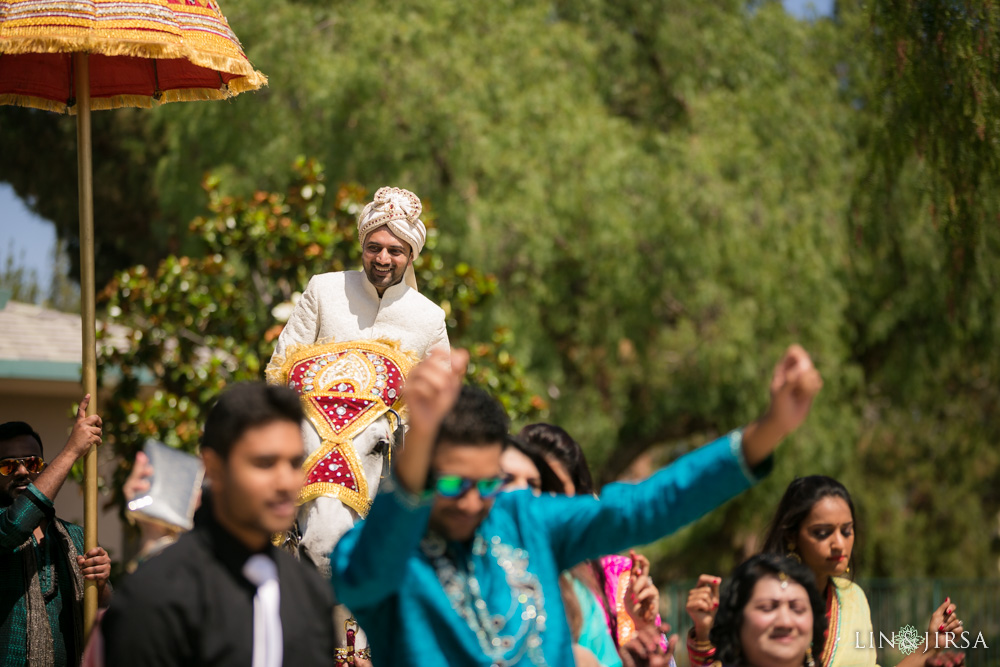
[120, 101]
[195, 94]
[245, 84]
[147, 102]
[33, 102]
[227, 64]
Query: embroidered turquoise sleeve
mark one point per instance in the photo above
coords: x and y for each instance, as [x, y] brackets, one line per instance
[626, 515]
[411, 501]
[369, 562]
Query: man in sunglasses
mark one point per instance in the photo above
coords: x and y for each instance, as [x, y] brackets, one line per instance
[42, 564]
[443, 571]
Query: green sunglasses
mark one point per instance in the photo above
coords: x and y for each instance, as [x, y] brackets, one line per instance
[456, 486]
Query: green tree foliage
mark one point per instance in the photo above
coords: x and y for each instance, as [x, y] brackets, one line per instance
[922, 279]
[733, 248]
[199, 323]
[935, 76]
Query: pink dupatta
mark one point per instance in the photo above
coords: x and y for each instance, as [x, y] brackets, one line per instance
[616, 571]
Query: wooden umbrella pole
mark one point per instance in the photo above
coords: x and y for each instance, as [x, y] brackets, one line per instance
[88, 312]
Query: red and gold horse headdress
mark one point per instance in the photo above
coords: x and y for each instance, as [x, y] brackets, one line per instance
[344, 388]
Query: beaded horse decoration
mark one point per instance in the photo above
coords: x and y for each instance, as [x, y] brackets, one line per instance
[344, 388]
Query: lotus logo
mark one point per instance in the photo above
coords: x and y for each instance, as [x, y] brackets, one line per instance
[908, 640]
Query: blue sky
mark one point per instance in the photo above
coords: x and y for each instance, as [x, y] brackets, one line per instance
[32, 238]
[808, 8]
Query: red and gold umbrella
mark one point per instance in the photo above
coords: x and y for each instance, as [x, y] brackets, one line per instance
[71, 56]
[142, 52]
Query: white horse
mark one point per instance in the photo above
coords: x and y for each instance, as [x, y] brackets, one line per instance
[322, 521]
[349, 392]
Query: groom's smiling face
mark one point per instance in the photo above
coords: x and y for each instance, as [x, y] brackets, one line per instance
[385, 257]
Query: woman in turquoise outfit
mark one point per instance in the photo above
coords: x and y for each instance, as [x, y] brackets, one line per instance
[616, 595]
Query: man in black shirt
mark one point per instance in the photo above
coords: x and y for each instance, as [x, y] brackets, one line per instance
[194, 604]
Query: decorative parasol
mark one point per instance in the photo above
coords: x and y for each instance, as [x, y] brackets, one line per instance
[71, 56]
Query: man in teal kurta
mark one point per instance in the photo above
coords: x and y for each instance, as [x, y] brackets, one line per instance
[454, 576]
[42, 560]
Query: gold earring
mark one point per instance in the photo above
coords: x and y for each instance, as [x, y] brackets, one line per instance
[793, 554]
[809, 658]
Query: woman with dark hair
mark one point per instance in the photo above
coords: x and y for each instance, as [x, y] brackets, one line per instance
[563, 454]
[524, 466]
[770, 615]
[794, 530]
[620, 586]
[816, 524]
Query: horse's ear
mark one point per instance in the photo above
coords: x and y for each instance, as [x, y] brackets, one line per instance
[398, 430]
[399, 438]
[395, 421]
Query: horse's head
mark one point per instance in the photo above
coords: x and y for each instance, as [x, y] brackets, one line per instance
[349, 392]
[324, 520]
[374, 447]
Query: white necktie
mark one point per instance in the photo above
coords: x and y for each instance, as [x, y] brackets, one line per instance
[267, 641]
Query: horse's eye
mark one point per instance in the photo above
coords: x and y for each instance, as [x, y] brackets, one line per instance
[382, 447]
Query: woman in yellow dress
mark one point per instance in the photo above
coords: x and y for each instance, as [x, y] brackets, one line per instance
[815, 523]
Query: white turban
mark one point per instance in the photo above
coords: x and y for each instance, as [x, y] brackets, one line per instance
[399, 210]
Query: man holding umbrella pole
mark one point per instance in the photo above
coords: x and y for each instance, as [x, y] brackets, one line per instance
[43, 563]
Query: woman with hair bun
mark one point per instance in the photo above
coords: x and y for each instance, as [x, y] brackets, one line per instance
[770, 615]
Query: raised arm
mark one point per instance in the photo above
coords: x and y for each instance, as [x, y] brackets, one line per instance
[369, 562]
[627, 515]
[34, 505]
[630, 514]
[86, 432]
[794, 384]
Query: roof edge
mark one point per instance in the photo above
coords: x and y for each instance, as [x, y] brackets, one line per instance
[31, 369]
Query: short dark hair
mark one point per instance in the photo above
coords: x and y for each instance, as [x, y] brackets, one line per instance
[476, 419]
[11, 430]
[244, 406]
[795, 506]
[738, 590]
[556, 442]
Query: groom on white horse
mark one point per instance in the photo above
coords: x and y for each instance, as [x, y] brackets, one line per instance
[346, 348]
[380, 302]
